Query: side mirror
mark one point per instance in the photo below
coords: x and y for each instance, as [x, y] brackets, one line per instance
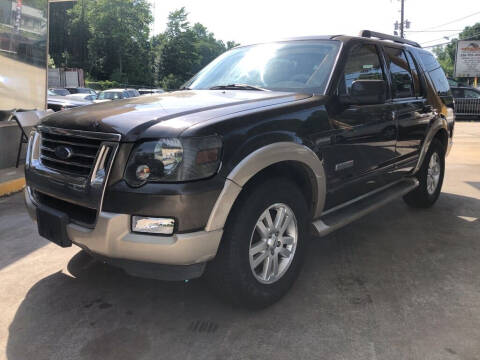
[365, 92]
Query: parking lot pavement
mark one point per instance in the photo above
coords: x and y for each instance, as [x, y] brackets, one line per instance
[397, 284]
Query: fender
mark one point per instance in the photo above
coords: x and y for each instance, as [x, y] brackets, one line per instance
[437, 124]
[259, 160]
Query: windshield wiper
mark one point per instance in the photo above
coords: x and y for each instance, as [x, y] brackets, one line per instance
[237, 87]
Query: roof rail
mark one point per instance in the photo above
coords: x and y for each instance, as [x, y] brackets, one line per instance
[373, 34]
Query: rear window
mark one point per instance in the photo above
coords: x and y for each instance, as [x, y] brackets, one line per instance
[110, 95]
[440, 81]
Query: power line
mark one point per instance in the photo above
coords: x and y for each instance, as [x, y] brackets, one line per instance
[429, 41]
[448, 42]
[422, 31]
[453, 21]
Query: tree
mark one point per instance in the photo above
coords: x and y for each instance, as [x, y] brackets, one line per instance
[446, 54]
[119, 43]
[59, 32]
[182, 50]
[110, 40]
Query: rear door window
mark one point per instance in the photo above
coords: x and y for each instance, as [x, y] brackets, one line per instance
[402, 82]
[416, 75]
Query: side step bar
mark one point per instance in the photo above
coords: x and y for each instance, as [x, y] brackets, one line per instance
[346, 213]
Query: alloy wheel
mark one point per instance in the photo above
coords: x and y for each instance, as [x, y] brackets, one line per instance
[273, 243]
[433, 173]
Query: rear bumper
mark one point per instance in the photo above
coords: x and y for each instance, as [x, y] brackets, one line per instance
[112, 238]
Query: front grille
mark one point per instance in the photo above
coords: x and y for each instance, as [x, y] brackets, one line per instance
[83, 152]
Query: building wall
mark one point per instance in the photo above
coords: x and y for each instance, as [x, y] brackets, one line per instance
[23, 56]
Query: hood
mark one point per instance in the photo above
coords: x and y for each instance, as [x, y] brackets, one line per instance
[63, 100]
[167, 113]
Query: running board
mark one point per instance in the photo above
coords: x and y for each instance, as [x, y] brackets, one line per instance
[345, 214]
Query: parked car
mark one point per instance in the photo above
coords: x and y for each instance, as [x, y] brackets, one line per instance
[112, 94]
[132, 92]
[81, 90]
[467, 102]
[82, 96]
[60, 91]
[59, 103]
[228, 177]
[150, 91]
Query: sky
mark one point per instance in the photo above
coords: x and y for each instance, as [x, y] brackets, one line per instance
[249, 21]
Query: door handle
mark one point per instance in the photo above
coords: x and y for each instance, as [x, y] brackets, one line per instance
[394, 115]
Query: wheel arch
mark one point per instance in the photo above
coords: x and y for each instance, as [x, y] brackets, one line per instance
[301, 164]
[437, 130]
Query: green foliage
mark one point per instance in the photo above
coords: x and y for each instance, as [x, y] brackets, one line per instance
[110, 40]
[51, 63]
[446, 54]
[182, 50]
[102, 85]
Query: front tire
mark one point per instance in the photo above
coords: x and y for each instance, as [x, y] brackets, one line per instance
[430, 177]
[263, 245]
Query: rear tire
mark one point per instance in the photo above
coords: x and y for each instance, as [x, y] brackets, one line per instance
[430, 177]
[253, 235]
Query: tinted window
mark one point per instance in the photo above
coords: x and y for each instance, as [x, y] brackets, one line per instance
[363, 63]
[110, 95]
[428, 60]
[472, 94]
[402, 83]
[440, 81]
[417, 80]
[457, 93]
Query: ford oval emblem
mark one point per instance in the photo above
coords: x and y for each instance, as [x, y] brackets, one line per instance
[63, 152]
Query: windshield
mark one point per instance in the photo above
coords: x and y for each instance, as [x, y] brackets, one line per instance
[298, 66]
[110, 95]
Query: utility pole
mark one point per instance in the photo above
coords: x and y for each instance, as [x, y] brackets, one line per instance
[403, 24]
[402, 18]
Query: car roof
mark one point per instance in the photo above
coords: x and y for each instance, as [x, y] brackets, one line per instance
[348, 38]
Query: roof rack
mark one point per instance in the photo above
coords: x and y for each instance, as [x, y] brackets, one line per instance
[373, 34]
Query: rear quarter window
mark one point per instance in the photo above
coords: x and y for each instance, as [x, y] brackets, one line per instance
[428, 60]
[440, 81]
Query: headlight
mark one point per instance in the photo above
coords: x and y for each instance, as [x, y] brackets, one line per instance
[173, 160]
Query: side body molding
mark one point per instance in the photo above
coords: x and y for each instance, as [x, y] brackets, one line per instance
[259, 160]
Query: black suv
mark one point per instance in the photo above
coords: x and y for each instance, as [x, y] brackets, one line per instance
[230, 175]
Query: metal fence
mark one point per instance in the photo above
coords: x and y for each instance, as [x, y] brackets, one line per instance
[467, 107]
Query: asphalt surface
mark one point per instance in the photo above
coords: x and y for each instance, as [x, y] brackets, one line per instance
[397, 284]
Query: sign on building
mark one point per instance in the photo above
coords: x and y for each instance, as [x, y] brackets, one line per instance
[467, 61]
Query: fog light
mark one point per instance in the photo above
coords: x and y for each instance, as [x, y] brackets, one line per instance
[153, 225]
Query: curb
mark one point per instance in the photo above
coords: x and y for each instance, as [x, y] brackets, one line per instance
[9, 187]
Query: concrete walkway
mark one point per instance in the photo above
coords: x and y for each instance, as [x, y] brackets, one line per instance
[397, 284]
[11, 180]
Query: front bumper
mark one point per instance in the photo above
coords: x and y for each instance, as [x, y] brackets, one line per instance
[112, 238]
